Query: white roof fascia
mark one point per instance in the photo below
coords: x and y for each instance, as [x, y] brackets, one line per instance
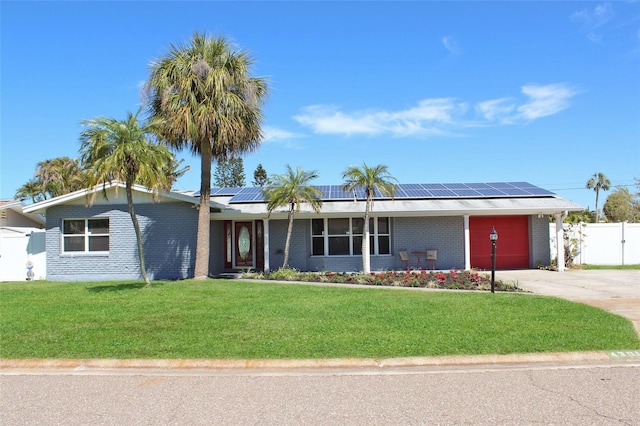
[24, 230]
[412, 208]
[20, 207]
[42, 206]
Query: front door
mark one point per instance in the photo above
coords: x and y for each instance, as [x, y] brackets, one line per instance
[244, 245]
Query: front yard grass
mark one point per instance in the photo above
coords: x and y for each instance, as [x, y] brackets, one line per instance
[605, 267]
[234, 319]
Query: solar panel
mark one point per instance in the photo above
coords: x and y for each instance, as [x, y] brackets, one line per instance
[406, 191]
[467, 193]
[337, 193]
[456, 186]
[433, 186]
[443, 193]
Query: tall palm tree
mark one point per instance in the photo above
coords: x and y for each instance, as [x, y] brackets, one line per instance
[598, 182]
[115, 150]
[210, 105]
[292, 189]
[369, 179]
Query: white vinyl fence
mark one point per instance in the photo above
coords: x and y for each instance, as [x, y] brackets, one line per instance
[602, 243]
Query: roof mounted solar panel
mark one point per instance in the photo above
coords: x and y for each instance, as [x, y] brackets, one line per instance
[405, 191]
[456, 186]
[430, 186]
[467, 193]
[443, 193]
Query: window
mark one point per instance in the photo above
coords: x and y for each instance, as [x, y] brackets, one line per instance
[343, 236]
[85, 235]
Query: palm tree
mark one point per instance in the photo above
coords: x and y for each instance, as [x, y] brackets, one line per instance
[60, 175]
[292, 190]
[115, 150]
[209, 104]
[598, 182]
[369, 179]
[33, 189]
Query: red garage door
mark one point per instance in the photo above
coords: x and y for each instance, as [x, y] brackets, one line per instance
[512, 246]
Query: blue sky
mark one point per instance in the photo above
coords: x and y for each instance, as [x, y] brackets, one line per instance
[543, 92]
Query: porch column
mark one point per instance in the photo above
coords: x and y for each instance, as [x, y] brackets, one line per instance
[266, 244]
[560, 241]
[467, 244]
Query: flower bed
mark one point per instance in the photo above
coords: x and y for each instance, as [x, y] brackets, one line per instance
[452, 280]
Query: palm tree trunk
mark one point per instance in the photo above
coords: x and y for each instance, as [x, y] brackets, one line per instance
[136, 228]
[366, 249]
[202, 242]
[286, 244]
[597, 205]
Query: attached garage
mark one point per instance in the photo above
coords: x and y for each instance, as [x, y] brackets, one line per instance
[512, 246]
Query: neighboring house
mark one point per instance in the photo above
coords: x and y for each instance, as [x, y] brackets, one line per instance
[452, 221]
[22, 245]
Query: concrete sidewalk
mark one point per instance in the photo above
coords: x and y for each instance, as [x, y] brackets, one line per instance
[616, 291]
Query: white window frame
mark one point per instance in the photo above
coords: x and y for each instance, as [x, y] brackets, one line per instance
[87, 234]
[373, 233]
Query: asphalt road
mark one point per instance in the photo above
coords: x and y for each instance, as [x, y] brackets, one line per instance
[507, 394]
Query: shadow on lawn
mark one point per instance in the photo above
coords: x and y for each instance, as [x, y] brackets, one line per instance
[120, 287]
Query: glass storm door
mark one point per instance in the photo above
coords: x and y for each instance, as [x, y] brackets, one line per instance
[244, 245]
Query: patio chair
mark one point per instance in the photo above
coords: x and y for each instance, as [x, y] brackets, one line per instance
[432, 256]
[404, 259]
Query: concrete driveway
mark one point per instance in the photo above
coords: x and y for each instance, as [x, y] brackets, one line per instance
[617, 291]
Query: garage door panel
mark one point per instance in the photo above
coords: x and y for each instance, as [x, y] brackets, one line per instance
[512, 246]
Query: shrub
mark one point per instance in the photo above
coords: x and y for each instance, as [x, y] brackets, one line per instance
[453, 279]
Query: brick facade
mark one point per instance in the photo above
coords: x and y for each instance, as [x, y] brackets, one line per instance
[169, 234]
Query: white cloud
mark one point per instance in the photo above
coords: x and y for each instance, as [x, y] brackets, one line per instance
[275, 134]
[591, 20]
[281, 136]
[451, 44]
[439, 116]
[428, 117]
[545, 100]
[497, 110]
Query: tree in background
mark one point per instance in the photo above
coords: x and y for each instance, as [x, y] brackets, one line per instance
[260, 176]
[586, 216]
[598, 182]
[60, 176]
[115, 150]
[621, 206]
[33, 190]
[52, 178]
[369, 179]
[229, 173]
[211, 105]
[292, 189]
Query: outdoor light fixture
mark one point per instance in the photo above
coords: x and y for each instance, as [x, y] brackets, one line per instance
[493, 236]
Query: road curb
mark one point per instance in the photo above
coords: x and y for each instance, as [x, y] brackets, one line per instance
[226, 364]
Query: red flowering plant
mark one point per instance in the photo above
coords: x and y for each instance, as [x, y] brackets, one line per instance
[453, 279]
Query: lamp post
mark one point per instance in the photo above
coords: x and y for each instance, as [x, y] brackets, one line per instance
[493, 237]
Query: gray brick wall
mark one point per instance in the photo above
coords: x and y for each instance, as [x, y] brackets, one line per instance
[539, 249]
[169, 235]
[445, 234]
[298, 247]
[216, 247]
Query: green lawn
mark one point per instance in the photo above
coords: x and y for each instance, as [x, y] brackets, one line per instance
[244, 319]
[624, 267]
